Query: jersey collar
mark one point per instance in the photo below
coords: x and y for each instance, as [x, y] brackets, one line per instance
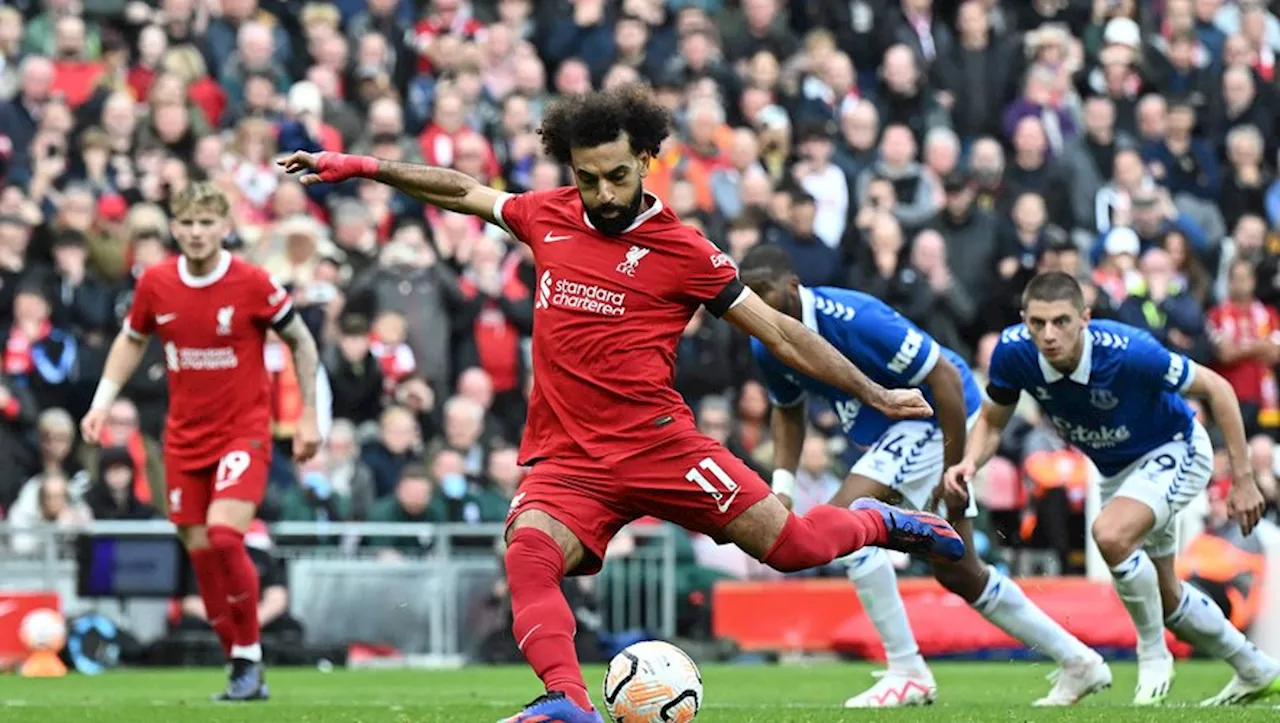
[807, 314]
[1080, 375]
[209, 279]
[654, 209]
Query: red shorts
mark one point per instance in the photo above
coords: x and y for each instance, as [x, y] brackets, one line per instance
[692, 481]
[241, 474]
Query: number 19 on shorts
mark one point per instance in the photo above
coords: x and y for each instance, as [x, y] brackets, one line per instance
[230, 469]
[723, 497]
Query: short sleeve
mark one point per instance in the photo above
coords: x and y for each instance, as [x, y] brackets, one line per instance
[905, 352]
[1151, 363]
[1002, 385]
[271, 303]
[711, 277]
[141, 321]
[782, 391]
[512, 212]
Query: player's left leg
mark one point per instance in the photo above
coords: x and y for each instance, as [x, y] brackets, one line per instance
[186, 504]
[238, 487]
[1195, 618]
[560, 523]
[697, 483]
[1137, 523]
[1119, 531]
[908, 463]
[1000, 600]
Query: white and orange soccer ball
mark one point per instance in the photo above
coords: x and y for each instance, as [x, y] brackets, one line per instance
[43, 630]
[652, 682]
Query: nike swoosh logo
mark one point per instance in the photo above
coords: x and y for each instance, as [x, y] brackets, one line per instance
[724, 506]
[551, 238]
[525, 639]
[163, 319]
[7, 607]
[220, 486]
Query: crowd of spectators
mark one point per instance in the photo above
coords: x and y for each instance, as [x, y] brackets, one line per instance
[933, 153]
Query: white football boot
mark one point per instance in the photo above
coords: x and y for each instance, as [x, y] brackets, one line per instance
[896, 689]
[1155, 678]
[1076, 679]
[1246, 690]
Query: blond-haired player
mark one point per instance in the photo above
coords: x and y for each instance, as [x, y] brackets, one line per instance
[212, 312]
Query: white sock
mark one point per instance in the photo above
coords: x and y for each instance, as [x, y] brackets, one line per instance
[1199, 621]
[877, 585]
[252, 653]
[1007, 607]
[1139, 589]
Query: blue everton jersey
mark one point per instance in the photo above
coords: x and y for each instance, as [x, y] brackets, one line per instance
[1122, 401]
[878, 340]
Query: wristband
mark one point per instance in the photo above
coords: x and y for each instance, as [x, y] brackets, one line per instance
[784, 483]
[106, 394]
[341, 166]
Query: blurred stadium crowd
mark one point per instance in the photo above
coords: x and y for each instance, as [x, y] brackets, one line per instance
[933, 153]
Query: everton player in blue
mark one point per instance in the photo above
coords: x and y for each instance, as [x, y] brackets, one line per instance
[904, 464]
[1116, 394]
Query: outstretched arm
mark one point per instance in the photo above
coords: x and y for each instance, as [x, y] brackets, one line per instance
[803, 350]
[441, 187]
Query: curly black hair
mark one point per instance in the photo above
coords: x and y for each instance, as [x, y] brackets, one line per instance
[596, 118]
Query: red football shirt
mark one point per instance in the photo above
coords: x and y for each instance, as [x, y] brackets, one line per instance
[608, 313]
[214, 330]
[1252, 379]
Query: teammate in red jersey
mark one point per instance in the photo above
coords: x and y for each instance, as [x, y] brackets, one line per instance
[608, 438]
[213, 312]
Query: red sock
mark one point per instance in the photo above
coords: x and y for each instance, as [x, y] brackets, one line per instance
[544, 624]
[822, 535]
[209, 579]
[240, 583]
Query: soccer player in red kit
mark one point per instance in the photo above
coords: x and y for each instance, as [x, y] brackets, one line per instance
[212, 312]
[608, 438]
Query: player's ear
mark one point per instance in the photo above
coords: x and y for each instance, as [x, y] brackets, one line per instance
[1086, 314]
[642, 163]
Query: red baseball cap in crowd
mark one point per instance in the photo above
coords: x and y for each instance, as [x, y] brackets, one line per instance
[112, 207]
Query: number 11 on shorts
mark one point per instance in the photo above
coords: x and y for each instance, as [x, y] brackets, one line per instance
[723, 498]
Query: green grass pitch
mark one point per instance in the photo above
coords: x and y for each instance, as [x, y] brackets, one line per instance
[734, 694]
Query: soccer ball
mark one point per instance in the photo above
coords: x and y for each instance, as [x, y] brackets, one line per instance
[43, 629]
[652, 682]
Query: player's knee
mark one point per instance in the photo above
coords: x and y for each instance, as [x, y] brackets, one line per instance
[236, 514]
[540, 526]
[194, 537]
[1115, 541]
